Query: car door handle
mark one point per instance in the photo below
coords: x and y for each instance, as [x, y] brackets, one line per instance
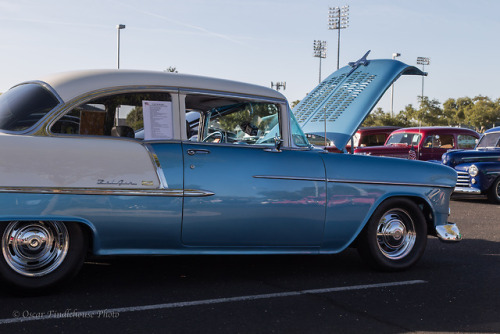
[197, 151]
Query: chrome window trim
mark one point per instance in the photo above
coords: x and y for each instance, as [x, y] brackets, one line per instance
[107, 191]
[55, 116]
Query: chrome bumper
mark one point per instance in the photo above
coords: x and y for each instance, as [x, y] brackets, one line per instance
[467, 190]
[448, 232]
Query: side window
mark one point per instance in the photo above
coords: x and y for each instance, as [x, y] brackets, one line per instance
[242, 123]
[466, 141]
[119, 115]
[298, 137]
[439, 141]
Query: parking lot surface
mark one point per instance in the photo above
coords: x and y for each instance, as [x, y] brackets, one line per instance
[454, 288]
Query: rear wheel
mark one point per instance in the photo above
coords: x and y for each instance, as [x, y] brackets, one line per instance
[40, 254]
[494, 192]
[395, 236]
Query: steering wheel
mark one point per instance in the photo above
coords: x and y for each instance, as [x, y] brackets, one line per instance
[214, 136]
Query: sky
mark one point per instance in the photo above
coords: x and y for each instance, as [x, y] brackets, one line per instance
[257, 41]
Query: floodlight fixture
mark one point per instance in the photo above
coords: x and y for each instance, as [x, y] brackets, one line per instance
[319, 51]
[338, 18]
[423, 61]
[279, 85]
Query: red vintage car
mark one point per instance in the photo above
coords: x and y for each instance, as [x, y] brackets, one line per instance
[369, 136]
[423, 143]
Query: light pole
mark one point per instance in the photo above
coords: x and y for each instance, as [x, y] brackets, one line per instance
[338, 18]
[423, 61]
[394, 55]
[319, 52]
[118, 28]
[278, 85]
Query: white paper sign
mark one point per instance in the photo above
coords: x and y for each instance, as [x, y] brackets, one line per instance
[158, 120]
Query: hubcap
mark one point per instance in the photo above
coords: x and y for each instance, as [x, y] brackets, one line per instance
[396, 234]
[35, 248]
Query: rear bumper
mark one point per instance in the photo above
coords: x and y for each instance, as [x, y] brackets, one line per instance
[448, 232]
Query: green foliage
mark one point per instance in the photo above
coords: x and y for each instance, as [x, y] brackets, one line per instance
[134, 118]
[479, 112]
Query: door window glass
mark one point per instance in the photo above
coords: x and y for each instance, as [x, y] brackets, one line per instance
[466, 141]
[119, 115]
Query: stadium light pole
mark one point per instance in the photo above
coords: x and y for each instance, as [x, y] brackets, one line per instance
[279, 85]
[338, 18]
[423, 61]
[394, 55]
[319, 52]
[118, 28]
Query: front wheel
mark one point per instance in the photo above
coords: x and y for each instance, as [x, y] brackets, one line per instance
[494, 192]
[40, 254]
[395, 236]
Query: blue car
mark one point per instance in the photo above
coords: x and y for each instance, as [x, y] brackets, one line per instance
[75, 179]
[479, 169]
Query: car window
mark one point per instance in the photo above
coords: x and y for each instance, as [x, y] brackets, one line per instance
[372, 140]
[298, 137]
[439, 141]
[404, 138]
[119, 115]
[23, 106]
[242, 123]
[491, 139]
[466, 141]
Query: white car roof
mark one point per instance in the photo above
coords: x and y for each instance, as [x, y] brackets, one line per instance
[72, 84]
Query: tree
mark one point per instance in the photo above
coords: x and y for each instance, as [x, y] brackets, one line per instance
[171, 69]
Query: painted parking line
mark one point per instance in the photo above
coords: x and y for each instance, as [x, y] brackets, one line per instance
[25, 316]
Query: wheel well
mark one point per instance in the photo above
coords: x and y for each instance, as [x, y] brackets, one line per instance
[87, 234]
[422, 205]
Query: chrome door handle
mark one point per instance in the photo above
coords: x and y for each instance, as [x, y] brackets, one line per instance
[197, 151]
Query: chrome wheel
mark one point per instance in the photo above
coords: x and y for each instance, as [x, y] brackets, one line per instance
[396, 234]
[494, 192]
[35, 248]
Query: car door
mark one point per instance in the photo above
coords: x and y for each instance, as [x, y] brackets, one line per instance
[252, 194]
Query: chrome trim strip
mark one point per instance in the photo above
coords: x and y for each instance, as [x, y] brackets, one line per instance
[467, 190]
[157, 166]
[197, 193]
[114, 192]
[301, 178]
[389, 183]
[296, 178]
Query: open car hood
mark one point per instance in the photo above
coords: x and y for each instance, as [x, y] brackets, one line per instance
[347, 96]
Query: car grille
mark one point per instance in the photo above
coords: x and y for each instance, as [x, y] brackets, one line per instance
[463, 179]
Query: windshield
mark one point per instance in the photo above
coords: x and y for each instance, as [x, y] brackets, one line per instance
[23, 106]
[490, 140]
[404, 138]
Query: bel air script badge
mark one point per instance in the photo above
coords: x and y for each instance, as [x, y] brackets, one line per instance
[115, 183]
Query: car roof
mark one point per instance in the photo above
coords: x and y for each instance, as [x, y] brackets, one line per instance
[437, 129]
[69, 85]
[383, 129]
[497, 129]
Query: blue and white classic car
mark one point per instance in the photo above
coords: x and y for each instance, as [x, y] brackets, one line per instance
[479, 169]
[74, 179]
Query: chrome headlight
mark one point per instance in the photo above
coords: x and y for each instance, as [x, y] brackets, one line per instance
[473, 171]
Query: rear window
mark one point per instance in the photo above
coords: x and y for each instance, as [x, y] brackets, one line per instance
[23, 106]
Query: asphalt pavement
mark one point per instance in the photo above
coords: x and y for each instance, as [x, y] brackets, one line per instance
[453, 289]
